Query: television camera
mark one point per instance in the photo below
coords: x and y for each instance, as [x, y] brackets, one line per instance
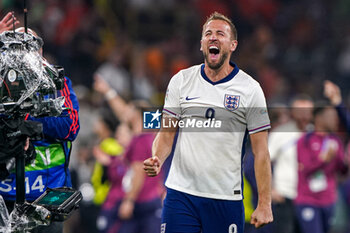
[28, 83]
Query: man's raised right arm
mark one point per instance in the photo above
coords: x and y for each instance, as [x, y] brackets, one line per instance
[161, 149]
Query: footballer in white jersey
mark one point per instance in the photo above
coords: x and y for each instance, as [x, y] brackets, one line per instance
[213, 107]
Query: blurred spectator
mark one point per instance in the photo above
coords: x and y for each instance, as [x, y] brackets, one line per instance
[143, 87]
[279, 114]
[155, 63]
[109, 153]
[140, 206]
[207, 7]
[54, 14]
[320, 159]
[261, 45]
[74, 10]
[87, 138]
[283, 152]
[81, 165]
[254, 10]
[104, 128]
[115, 74]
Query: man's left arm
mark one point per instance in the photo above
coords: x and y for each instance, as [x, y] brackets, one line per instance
[262, 166]
[66, 126]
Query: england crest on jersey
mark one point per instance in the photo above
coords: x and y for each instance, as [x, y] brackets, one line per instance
[231, 102]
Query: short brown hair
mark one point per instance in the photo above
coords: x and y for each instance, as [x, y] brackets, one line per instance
[218, 16]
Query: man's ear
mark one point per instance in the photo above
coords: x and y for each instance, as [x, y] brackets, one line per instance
[201, 49]
[234, 45]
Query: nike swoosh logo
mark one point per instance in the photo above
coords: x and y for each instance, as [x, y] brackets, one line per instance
[193, 98]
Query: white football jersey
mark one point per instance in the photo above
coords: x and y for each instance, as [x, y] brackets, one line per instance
[214, 120]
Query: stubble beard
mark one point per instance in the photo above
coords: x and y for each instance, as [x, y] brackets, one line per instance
[215, 66]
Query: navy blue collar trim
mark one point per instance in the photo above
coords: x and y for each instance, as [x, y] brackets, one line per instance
[226, 79]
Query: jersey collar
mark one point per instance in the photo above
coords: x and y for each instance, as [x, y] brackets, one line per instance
[226, 79]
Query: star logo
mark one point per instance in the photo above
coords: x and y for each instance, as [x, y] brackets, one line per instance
[156, 115]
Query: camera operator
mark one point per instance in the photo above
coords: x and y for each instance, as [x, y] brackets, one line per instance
[50, 167]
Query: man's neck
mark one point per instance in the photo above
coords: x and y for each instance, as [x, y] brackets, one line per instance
[218, 74]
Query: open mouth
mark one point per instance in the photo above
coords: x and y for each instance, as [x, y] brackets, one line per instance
[214, 50]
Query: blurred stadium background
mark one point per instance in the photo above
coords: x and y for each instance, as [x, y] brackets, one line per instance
[289, 46]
